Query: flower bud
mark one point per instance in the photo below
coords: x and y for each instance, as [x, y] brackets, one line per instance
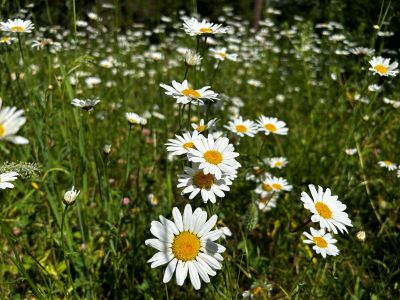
[70, 196]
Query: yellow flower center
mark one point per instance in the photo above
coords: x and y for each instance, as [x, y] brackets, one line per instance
[2, 130]
[278, 164]
[266, 187]
[381, 69]
[188, 145]
[270, 127]
[5, 39]
[201, 128]
[222, 54]
[17, 29]
[320, 242]
[257, 290]
[206, 30]
[241, 128]
[203, 181]
[213, 157]
[191, 93]
[387, 162]
[186, 246]
[277, 186]
[323, 210]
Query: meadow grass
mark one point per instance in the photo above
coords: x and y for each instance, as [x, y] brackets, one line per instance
[299, 72]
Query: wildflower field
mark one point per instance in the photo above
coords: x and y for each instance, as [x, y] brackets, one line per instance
[196, 156]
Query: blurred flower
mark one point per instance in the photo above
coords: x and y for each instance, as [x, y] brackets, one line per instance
[242, 127]
[187, 245]
[272, 125]
[350, 151]
[221, 54]
[5, 179]
[17, 26]
[361, 236]
[11, 121]
[201, 127]
[7, 40]
[106, 149]
[125, 201]
[277, 162]
[382, 66]
[135, 119]
[194, 27]
[85, 104]
[153, 200]
[70, 196]
[192, 58]
[387, 164]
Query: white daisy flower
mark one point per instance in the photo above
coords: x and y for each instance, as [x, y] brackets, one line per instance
[187, 245]
[185, 94]
[5, 179]
[194, 27]
[201, 127]
[267, 203]
[242, 127]
[387, 164]
[272, 184]
[192, 58]
[70, 196]
[84, 104]
[221, 54]
[214, 156]
[272, 125]
[182, 144]
[11, 120]
[17, 26]
[194, 181]
[277, 162]
[394, 103]
[323, 242]
[350, 151]
[7, 40]
[382, 66]
[326, 209]
[135, 119]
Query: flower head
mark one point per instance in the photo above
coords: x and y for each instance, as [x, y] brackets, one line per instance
[272, 125]
[182, 144]
[70, 196]
[194, 27]
[387, 164]
[85, 104]
[5, 179]
[135, 119]
[17, 26]
[187, 245]
[192, 59]
[326, 209]
[242, 127]
[323, 242]
[382, 66]
[11, 120]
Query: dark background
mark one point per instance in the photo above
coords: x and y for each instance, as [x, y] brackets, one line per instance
[358, 16]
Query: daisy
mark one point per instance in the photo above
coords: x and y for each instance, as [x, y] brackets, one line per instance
[215, 156]
[277, 162]
[242, 127]
[323, 242]
[273, 184]
[182, 144]
[5, 179]
[135, 119]
[17, 26]
[194, 181]
[201, 127]
[6, 40]
[194, 27]
[85, 104]
[192, 59]
[388, 165]
[70, 196]
[187, 246]
[185, 94]
[381, 66]
[11, 121]
[350, 151]
[267, 203]
[221, 54]
[326, 209]
[272, 125]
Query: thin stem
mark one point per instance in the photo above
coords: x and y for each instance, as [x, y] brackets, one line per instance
[128, 156]
[74, 15]
[304, 224]
[20, 47]
[64, 252]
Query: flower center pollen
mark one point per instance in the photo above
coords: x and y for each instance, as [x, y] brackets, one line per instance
[2, 130]
[191, 93]
[17, 29]
[201, 128]
[186, 246]
[213, 157]
[270, 127]
[206, 30]
[381, 69]
[278, 164]
[241, 128]
[387, 162]
[188, 145]
[203, 181]
[266, 187]
[323, 210]
[320, 242]
[277, 186]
